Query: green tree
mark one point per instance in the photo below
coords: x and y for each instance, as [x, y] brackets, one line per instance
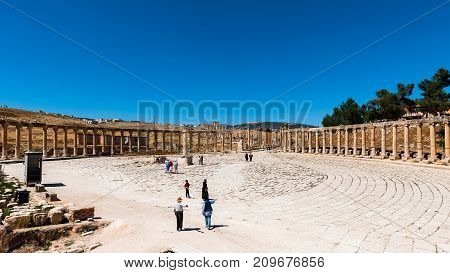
[388, 105]
[347, 113]
[435, 98]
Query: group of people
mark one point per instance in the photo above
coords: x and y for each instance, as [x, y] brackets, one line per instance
[206, 206]
[171, 166]
[248, 156]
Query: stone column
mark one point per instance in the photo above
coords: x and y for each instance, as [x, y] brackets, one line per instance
[260, 138]
[296, 140]
[355, 141]
[138, 141]
[372, 141]
[147, 141]
[309, 142]
[130, 142]
[231, 141]
[5, 140]
[207, 141]
[432, 142]
[17, 148]
[215, 141]
[199, 143]
[122, 142]
[65, 141]
[55, 142]
[223, 141]
[324, 141]
[171, 141]
[94, 142]
[191, 140]
[419, 142]
[406, 142]
[339, 141]
[447, 139]
[113, 142]
[248, 139]
[164, 141]
[44, 141]
[394, 142]
[363, 141]
[317, 142]
[155, 140]
[302, 136]
[185, 143]
[346, 142]
[75, 142]
[383, 142]
[179, 142]
[289, 140]
[331, 142]
[85, 142]
[103, 141]
[30, 137]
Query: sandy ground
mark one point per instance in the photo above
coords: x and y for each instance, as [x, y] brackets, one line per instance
[278, 203]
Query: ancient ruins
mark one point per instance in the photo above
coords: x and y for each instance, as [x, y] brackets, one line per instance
[369, 140]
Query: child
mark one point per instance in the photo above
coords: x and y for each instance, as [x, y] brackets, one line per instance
[178, 210]
[186, 186]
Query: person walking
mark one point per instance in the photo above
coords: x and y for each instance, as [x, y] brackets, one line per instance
[246, 156]
[175, 166]
[205, 193]
[207, 212]
[186, 187]
[178, 210]
[167, 165]
[250, 156]
[170, 166]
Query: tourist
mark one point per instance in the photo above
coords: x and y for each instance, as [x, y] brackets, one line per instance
[250, 156]
[200, 160]
[207, 212]
[167, 165]
[186, 187]
[178, 209]
[175, 166]
[246, 156]
[205, 193]
[170, 166]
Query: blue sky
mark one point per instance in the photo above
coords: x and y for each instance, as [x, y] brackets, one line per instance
[213, 50]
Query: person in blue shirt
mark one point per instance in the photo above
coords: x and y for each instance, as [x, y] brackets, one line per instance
[207, 212]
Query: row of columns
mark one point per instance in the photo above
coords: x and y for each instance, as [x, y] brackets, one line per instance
[367, 148]
[116, 137]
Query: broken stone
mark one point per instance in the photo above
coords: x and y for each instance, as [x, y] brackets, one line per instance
[55, 215]
[3, 204]
[87, 233]
[39, 188]
[39, 219]
[82, 214]
[4, 244]
[94, 246]
[75, 250]
[47, 207]
[11, 205]
[51, 197]
[18, 221]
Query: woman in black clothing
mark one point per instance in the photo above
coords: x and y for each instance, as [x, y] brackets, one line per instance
[205, 194]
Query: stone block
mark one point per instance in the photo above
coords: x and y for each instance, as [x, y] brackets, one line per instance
[39, 219]
[51, 197]
[11, 205]
[39, 188]
[19, 221]
[56, 216]
[3, 204]
[4, 241]
[82, 214]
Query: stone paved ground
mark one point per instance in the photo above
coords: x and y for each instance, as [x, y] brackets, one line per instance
[278, 203]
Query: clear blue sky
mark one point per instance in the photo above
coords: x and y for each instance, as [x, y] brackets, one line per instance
[213, 50]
